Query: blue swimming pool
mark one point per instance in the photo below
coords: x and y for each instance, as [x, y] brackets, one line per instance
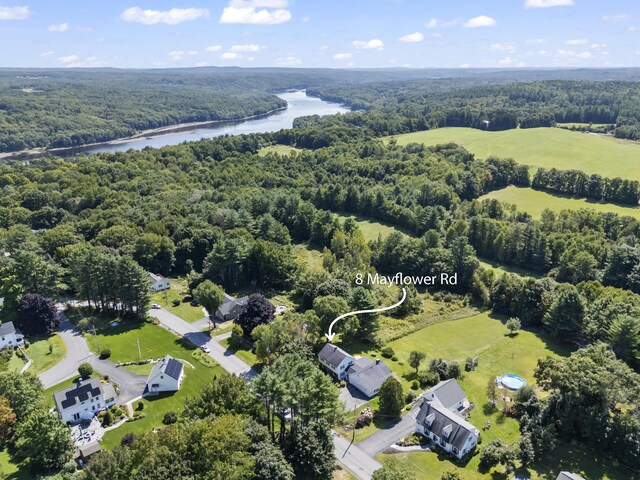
[512, 381]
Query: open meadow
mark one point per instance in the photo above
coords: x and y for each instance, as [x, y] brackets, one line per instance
[542, 147]
[534, 202]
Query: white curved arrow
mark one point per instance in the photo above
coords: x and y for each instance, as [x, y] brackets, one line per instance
[358, 312]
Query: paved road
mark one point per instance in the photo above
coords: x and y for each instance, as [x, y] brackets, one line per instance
[226, 358]
[386, 437]
[354, 458]
[77, 352]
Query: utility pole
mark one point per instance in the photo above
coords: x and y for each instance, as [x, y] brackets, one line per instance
[139, 353]
[96, 335]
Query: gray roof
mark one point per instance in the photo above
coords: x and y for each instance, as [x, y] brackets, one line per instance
[168, 366]
[156, 277]
[333, 355]
[368, 373]
[569, 476]
[448, 392]
[442, 417]
[89, 449]
[77, 393]
[7, 328]
[231, 306]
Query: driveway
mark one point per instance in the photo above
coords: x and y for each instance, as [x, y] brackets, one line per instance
[131, 385]
[354, 458]
[382, 439]
[77, 353]
[226, 358]
[352, 398]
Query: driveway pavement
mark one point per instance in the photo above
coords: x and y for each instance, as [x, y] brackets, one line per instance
[354, 458]
[77, 352]
[389, 435]
[352, 398]
[226, 358]
[131, 385]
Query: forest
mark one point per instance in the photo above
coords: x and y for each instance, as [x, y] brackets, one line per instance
[217, 210]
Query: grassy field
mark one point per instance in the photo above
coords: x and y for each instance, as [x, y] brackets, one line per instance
[279, 149]
[370, 228]
[502, 269]
[38, 352]
[479, 335]
[543, 147]
[14, 468]
[244, 353]
[534, 202]
[180, 292]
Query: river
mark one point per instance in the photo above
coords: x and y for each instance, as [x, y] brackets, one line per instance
[299, 105]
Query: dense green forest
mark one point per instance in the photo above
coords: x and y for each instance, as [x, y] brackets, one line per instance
[419, 105]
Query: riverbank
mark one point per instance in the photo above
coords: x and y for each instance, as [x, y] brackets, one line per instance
[150, 133]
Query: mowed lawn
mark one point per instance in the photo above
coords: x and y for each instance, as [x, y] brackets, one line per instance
[543, 147]
[155, 342]
[535, 202]
[179, 291]
[39, 354]
[487, 338]
[370, 228]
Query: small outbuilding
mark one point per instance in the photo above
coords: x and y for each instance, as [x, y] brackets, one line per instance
[166, 376]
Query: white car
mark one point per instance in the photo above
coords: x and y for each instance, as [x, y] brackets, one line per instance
[205, 349]
[155, 306]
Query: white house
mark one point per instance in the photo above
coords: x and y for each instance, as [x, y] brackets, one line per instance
[158, 282]
[9, 336]
[166, 376]
[84, 399]
[446, 428]
[569, 476]
[368, 375]
[335, 360]
[449, 394]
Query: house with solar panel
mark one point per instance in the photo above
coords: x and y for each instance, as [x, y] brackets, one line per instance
[166, 376]
[83, 400]
[440, 418]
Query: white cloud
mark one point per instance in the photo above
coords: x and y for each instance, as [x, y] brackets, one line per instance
[412, 37]
[503, 47]
[46, 54]
[324, 48]
[510, 62]
[256, 12]
[598, 46]
[481, 21]
[69, 59]
[60, 27]
[176, 55]
[584, 55]
[577, 41]
[464, 65]
[288, 61]
[622, 17]
[342, 56]
[548, 3]
[369, 44]
[213, 48]
[246, 48]
[543, 53]
[437, 23]
[201, 64]
[169, 17]
[14, 13]
[536, 41]
[230, 56]
[633, 29]
[572, 54]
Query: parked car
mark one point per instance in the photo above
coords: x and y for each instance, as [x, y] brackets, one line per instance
[155, 306]
[205, 349]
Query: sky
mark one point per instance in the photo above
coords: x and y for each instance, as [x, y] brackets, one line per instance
[320, 33]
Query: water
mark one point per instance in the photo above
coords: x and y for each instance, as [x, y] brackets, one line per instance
[299, 105]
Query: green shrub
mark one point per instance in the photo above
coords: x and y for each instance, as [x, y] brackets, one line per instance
[85, 370]
[140, 405]
[415, 385]
[394, 359]
[107, 419]
[83, 325]
[170, 417]
[105, 353]
[387, 352]
[175, 303]
[428, 378]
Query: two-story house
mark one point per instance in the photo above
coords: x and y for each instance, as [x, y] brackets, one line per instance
[335, 360]
[450, 395]
[158, 282]
[83, 400]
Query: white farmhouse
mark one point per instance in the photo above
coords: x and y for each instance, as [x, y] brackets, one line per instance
[449, 394]
[446, 428]
[335, 360]
[166, 376]
[84, 399]
[158, 282]
[9, 336]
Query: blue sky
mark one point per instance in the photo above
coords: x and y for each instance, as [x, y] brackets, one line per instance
[320, 33]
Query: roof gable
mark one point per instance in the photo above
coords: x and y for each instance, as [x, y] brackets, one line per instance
[7, 328]
[333, 355]
[445, 424]
[78, 393]
[368, 373]
[167, 366]
[448, 392]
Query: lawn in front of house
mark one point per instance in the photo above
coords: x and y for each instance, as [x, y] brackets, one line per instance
[39, 354]
[479, 335]
[244, 352]
[179, 291]
[14, 468]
